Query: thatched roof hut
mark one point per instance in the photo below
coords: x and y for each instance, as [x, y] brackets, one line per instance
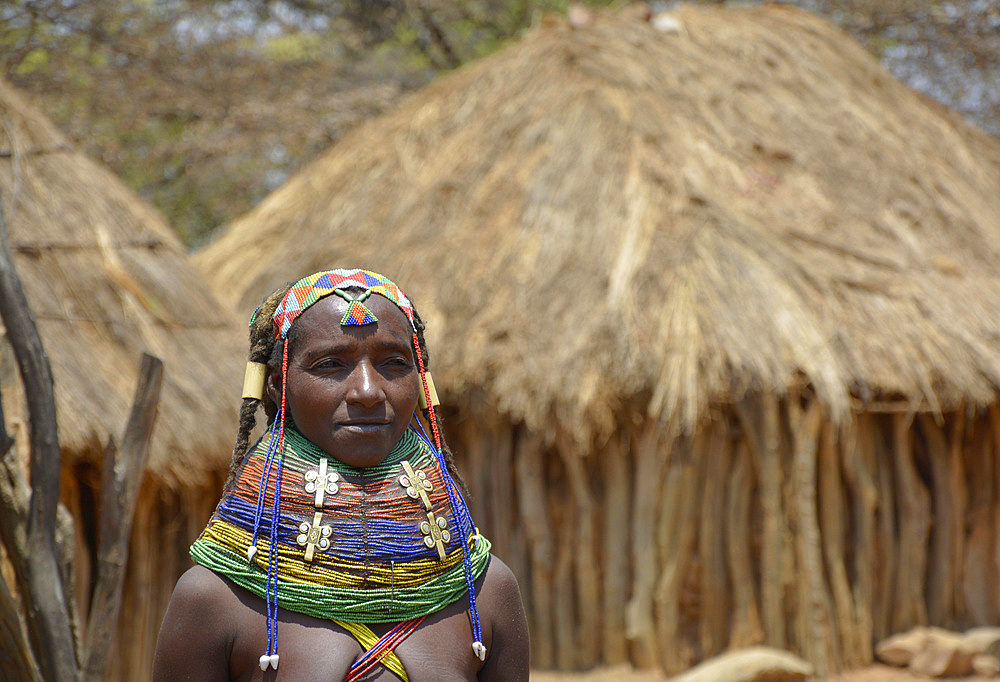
[712, 296]
[107, 279]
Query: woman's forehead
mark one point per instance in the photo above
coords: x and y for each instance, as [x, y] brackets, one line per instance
[323, 320]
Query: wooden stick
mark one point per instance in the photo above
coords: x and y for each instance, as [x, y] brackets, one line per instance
[941, 568]
[746, 628]
[715, 606]
[584, 556]
[15, 653]
[534, 518]
[888, 545]
[761, 425]
[564, 615]
[832, 531]
[979, 586]
[859, 472]
[501, 512]
[639, 624]
[119, 488]
[960, 496]
[676, 542]
[36, 562]
[614, 544]
[814, 604]
[914, 531]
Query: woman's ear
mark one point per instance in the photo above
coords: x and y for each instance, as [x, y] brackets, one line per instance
[272, 383]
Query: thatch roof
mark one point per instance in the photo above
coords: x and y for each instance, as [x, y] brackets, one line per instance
[619, 218]
[107, 279]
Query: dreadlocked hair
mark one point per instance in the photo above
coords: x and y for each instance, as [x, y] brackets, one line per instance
[264, 348]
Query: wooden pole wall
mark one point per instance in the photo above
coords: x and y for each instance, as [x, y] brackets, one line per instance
[163, 528]
[768, 525]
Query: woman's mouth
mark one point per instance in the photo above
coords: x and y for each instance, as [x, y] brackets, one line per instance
[361, 426]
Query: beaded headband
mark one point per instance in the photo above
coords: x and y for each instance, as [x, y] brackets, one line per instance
[310, 289]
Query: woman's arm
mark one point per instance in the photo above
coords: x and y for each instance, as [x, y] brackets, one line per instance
[196, 635]
[509, 657]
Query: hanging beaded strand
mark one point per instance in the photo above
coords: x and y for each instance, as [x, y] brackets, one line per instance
[270, 658]
[264, 478]
[466, 528]
[462, 515]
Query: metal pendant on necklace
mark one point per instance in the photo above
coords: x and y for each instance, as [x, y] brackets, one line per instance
[435, 528]
[315, 535]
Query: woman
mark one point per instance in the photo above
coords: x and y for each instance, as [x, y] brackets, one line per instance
[374, 569]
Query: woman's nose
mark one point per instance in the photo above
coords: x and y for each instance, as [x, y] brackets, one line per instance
[364, 389]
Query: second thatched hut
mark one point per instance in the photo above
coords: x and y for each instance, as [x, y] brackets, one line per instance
[107, 279]
[714, 305]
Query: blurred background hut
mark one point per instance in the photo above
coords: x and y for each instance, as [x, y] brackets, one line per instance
[107, 279]
[713, 306]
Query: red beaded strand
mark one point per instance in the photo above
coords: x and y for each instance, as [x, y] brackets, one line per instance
[427, 394]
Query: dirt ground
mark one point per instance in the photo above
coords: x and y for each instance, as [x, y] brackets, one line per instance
[875, 673]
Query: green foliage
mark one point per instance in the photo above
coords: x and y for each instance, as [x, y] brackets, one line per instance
[295, 47]
[191, 120]
[35, 61]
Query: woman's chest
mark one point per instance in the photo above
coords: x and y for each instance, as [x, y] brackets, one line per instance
[310, 649]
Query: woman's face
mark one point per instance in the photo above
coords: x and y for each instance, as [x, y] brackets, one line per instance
[351, 390]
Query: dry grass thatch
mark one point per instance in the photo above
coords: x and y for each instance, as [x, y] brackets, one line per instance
[107, 279]
[620, 217]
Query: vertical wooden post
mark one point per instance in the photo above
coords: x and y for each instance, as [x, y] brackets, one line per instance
[500, 512]
[676, 541]
[716, 611]
[858, 467]
[814, 599]
[948, 526]
[564, 620]
[119, 487]
[879, 437]
[745, 629]
[588, 586]
[914, 531]
[979, 588]
[538, 531]
[832, 532]
[639, 624]
[761, 423]
[614, 543]
[960, 495]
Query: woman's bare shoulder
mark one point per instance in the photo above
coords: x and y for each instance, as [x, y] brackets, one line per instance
[509, 655]
[201, 583]
[198, 628]
[500, 583]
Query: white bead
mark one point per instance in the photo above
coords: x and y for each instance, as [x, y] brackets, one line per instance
[479, 649]
[263, 661]
[251, 552]
[274, 661]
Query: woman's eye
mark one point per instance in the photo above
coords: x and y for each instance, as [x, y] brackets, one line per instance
[328, 363]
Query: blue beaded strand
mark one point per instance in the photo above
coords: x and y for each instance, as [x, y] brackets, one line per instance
[464, 521]
[265, 476]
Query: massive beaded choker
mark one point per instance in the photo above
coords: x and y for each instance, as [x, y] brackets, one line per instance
[382, 544]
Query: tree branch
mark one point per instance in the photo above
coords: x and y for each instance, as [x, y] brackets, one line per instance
[39, 580]
[119, 488]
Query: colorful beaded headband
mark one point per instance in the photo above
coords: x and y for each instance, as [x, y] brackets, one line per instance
[310, 289]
